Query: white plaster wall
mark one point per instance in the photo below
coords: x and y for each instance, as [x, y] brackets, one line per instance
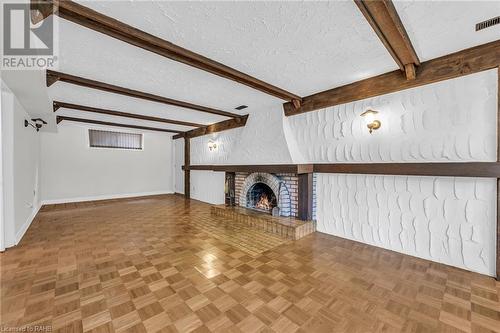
[72, 171]
[453, 120]
[448, 220]
[208, 186]
[227, 142]
[262, 140]
[20, 169]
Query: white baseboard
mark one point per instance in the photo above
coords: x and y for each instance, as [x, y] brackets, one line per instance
[104, 197]
[26, 225]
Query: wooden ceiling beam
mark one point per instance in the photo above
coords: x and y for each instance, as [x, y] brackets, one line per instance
[469, 61]
[106, 123]
[385, 21]
[96, 21]
[213, 128]
[57, 105]
[53, 76]
[40, 10]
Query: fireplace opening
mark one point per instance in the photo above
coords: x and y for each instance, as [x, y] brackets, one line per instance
[261, 197]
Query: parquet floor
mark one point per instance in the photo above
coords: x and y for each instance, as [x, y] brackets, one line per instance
[148, 265]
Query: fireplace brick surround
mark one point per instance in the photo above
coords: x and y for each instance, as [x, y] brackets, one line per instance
[288, 196]
[295, 196]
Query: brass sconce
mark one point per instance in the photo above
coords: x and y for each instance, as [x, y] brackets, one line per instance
[371, 122]
[212, 145]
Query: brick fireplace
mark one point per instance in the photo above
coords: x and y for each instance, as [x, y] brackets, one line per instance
[284, 186]
[253, 192]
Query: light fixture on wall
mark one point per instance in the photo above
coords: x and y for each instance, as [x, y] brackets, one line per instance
[37, 123]
[213, 146]
[371, 122]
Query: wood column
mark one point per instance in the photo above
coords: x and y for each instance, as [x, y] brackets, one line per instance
[187, 163]
[305, 196]
[498, 179]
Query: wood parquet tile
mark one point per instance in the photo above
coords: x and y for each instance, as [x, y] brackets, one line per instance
[163, 264]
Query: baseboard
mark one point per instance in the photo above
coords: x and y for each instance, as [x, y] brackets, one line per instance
[26, 225]
[103, 197]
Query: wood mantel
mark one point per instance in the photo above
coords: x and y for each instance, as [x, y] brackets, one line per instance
[270, 168]
[457, 169]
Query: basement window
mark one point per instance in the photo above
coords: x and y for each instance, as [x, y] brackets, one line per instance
[114, 140]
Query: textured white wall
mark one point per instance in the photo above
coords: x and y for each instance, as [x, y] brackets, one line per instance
[21, 167]
[208, 186]
[262, 140]
[453, 120]
[72, 171]
[448, 220]
[442, 219]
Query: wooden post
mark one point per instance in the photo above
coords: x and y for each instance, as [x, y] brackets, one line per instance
[498, 179]
[305, 196]
[498, 229]
[187, 172]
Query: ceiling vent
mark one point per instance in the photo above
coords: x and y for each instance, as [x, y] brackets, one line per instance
[241, 107]
[488, 23]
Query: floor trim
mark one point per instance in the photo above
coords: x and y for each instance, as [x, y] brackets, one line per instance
[103, 197]
[20, 234]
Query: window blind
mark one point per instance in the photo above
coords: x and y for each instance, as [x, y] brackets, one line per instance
[118, 140]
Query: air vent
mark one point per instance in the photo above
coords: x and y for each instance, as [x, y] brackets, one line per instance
[487, 23]
[241, 107]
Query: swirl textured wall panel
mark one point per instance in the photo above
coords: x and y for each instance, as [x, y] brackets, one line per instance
[262, 140]
[448, 220]
[453, 120]
[226, 141]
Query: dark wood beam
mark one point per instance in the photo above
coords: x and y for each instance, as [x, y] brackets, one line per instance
[106, 123]
[217, 127]
[385, 21]
[58, 104]
[498, 231]
[187, 171]
[459, 169]
[40, 10]
[271, 168]
[469, 61]
[53, 76]
[305, 196]
[498, 180]
[96, 21]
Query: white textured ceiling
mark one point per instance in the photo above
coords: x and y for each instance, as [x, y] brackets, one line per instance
[437, 28]
[296, 46]
[303, 47]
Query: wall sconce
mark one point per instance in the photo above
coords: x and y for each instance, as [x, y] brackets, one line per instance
[212, 146]
[37, 123]
[371, 122]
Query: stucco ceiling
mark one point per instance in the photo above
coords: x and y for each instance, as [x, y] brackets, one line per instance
[437, 28]
[293, 45]
[303, 47]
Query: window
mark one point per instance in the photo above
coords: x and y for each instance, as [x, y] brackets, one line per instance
[118, 140]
